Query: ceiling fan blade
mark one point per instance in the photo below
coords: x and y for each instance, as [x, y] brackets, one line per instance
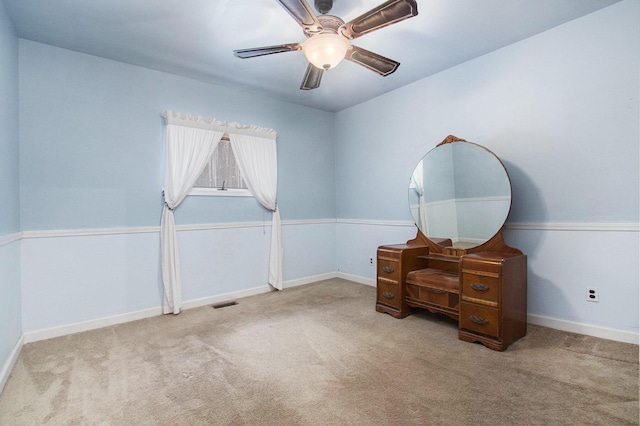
[373, 61]
[387, 13]
[311, 78]
[267, 50]
[303, 14]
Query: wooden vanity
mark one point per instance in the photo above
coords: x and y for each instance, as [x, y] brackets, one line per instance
[480, 283]
[486, 291]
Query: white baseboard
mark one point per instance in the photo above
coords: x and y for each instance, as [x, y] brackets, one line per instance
[357, 279]
[309, 280]
[555, 323]
[63, 330]
[8, 366]
[205, 301]
[226, 297]
[581, 328]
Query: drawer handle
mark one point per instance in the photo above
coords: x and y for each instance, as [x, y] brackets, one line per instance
[388, 295]
[479, 287]
[478, 320]
[387, 269]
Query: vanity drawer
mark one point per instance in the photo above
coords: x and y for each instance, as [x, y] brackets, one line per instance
[389, 293]
[388, 269]
[485, 262]
[432, 296]
[389, 252]
[481, 287]
[479, 319]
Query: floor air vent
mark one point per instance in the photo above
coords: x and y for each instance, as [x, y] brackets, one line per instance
[224, 304]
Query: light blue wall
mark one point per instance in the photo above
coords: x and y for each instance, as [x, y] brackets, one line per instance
[92, 144]
[10, 303]
[74, 279]
[77, 278]
[9, 175]
[560, 107]
[92, 158]
[561, 110]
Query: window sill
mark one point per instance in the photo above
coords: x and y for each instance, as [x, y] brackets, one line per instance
[215, 192]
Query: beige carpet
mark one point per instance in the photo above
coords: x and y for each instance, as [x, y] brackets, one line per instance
[317, 355]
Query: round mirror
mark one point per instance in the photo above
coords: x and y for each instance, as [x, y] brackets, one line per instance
[460, 191]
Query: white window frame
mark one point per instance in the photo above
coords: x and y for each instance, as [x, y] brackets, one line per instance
[217, 192]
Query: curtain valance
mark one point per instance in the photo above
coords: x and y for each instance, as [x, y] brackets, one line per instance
[229, 127]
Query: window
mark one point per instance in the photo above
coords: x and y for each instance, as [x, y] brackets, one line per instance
[222, 176]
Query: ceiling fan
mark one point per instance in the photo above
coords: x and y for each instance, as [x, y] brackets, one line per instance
[328, 37]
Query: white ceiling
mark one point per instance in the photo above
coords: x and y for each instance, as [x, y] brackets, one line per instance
[195, 38]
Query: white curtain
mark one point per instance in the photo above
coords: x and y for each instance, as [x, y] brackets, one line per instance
[190, 142]
[417, 179]
[255, 152]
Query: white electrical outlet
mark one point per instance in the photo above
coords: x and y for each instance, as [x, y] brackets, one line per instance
[371, 261]
[592, 294]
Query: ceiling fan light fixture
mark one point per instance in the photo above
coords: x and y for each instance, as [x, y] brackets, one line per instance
[325, 51]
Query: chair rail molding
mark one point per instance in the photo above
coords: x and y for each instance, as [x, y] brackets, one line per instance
[10, 238]
[524, 226]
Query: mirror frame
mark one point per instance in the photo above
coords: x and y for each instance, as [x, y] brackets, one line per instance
[444, 245]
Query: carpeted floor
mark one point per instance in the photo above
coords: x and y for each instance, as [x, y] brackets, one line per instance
[317, 355]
